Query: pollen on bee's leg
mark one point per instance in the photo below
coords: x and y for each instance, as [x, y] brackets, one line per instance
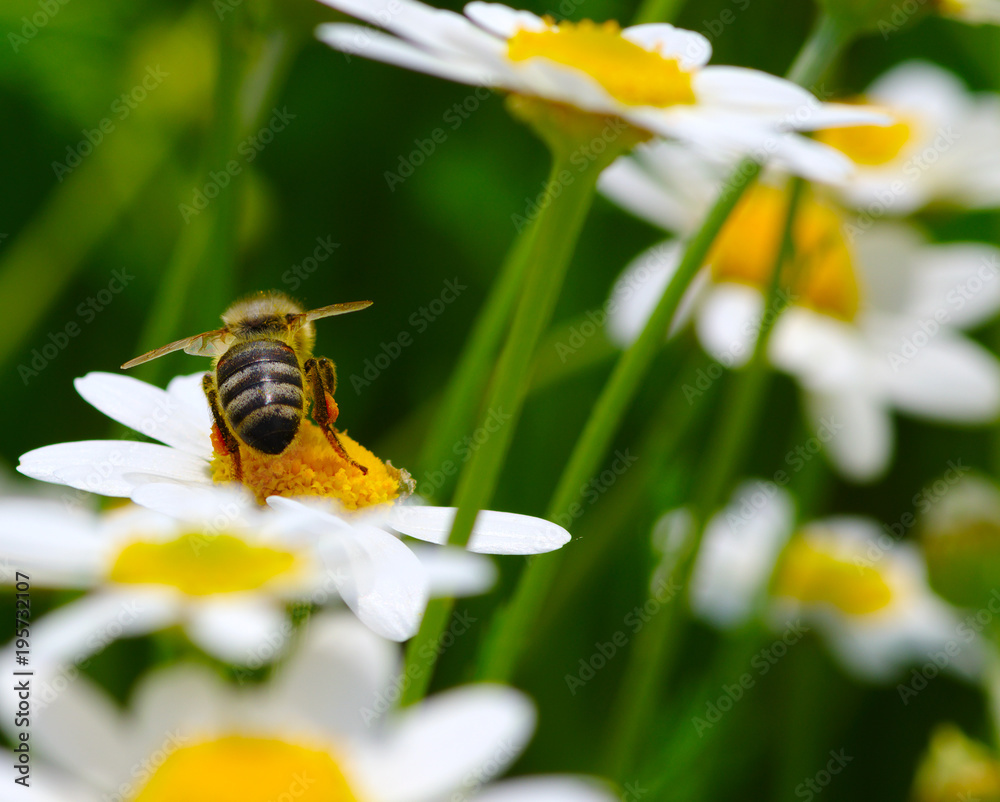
[310, 466]
[331, 408]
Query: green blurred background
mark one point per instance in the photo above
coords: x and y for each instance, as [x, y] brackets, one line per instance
[67, 233]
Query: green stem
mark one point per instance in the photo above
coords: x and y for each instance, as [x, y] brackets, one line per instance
[819, 52]
[505, 642]
[657, 11]
[655, 646]
[549, 251]
[458, 406]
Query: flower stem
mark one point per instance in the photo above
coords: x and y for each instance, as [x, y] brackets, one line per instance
[505, 642]
[655, 645]
[465, 390]
[657, 11]
[569, 191]
[822, 47]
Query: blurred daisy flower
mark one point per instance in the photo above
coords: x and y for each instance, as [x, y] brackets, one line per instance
[311, 733]
[652, 76]
[221, 568]
[956, 768]
[864, 591]
[871, 322]
[939, 149]
[184, 470]
[972, 11]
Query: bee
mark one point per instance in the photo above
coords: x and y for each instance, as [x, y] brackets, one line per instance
[263, 371]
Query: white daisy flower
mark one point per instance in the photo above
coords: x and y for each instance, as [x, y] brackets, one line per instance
[941, 147]
[862, 589]
[185, 470]
[873, 323]
[973, 11]
[308, 734]
[223, 569]
[652, 76]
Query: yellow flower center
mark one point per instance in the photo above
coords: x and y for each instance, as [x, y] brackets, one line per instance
[630, 73]
[311, 467]
[869, 145]
[242, 769]
[815, 576]
[198, 564]
[823, 266]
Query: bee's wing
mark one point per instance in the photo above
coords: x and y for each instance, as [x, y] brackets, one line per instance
[332, 309]
[209, 343]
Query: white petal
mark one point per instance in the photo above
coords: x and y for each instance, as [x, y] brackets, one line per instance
[494, 532]
[635, 189]
[503, 20]
[172, 706]
[79, 728]
[453, 740]
[148, 410]
[729, 321]
[356, 40]
[741, 87]
[111, 467]
[923, 89]
[220, 506]
[380, 579]
[957, 283]
[739, 551]
[811, 160]
[456, 572]
[56, 545]
[240, 628]
[638, 291]
[949, 378]
[554, 788]
[82, 628]
[692, 50]
[339, 675]
[862, 432]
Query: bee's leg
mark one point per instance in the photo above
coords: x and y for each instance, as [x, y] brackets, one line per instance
[322, 378]
[228, 438]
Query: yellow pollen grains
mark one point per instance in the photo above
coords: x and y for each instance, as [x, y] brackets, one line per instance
[244, 769]
[199, 564]
[747, 246]
[869, 145]
[815, 576]
[310, 467]
[630, 73]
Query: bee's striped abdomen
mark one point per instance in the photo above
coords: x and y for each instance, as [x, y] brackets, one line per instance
[260, 389]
